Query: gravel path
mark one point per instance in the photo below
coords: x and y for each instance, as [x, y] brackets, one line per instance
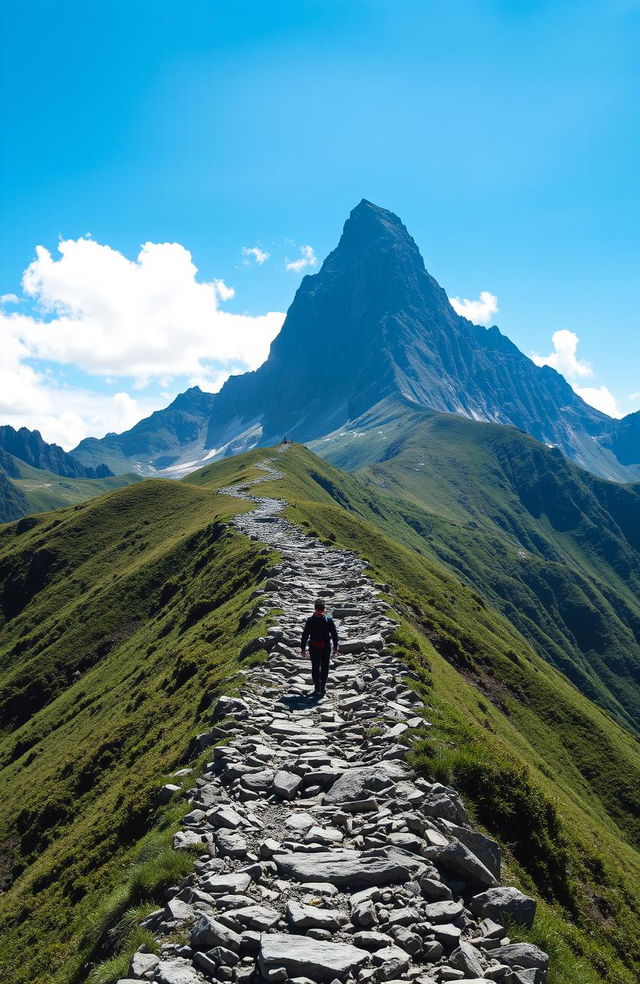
[324, 858]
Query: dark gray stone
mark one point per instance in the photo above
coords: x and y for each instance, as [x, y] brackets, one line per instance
[209, 932]
[504, 901]
[345, 869]
[460, 861]
[316, 959]
[521, 955]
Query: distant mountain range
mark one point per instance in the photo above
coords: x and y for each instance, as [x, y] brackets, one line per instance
[372, 325]
[35, 475]
[29, 446]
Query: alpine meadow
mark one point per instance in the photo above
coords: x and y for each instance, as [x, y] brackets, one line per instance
[319, 493]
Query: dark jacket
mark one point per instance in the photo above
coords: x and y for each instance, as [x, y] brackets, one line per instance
[319, 630]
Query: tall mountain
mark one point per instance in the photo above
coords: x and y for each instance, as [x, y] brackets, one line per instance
[373, 324]
[29, 446]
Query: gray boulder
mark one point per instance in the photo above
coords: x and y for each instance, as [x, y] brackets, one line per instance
[391, 961]
[522, 955]
[256, 917]
[229, 705]
[208, 932]
[304, 957]
[442, 912]
[353, 784]
[143, 963]
[233, 884]
[460, 861]
[341, 868]
[487, 850]
[302, 916]
[176, 972]
[286, 784]
[504, 901]
[467, 958]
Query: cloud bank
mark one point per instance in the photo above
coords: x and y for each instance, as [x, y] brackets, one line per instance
[601, 398]
[564, 359]
[142, 321]
[480, 312]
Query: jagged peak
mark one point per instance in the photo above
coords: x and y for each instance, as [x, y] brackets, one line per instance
[368, 224]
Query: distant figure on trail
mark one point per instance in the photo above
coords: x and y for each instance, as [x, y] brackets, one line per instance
[319, 631]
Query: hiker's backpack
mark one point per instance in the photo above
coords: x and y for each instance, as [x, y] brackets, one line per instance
[319, 634]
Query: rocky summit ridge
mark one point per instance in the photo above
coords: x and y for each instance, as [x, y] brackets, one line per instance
[373, 325]
[323, 857]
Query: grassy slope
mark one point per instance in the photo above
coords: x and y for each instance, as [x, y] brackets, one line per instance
[127, 624]
[119, 622]
[13, 503]
[549, 772]
[26, 489]
[556, 549]
[44, 490]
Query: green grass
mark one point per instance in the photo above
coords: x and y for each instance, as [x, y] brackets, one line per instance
[122, 621]
[552, 547]
[123, 618]
[547, 772]
[32, 490]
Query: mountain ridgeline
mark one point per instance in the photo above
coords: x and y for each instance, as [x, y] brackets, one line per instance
[441, 456]
[35, 475]
[30, 447]
[371, 325]
[122, 619]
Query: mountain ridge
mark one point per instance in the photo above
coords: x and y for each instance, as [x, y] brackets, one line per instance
[374, 323]
[127, 618]
[29, 446]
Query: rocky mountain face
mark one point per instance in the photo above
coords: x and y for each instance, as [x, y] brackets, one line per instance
[623, 438]
[174, 434]
[373, 324]
[29, 446]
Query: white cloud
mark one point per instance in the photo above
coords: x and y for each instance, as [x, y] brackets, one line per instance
[65, 415]
[565, 360]
[564, 356]
[601, 398]
[480, 312]
[9, 299]
[145, 320]
[307, 259]
[259, 255]
[149, 318]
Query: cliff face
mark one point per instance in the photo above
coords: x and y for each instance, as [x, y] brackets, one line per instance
[29, 446]
[371, 325]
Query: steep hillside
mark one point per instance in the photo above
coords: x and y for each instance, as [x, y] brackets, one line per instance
[30, 447]
[554, 548]
[123, 617]
[118, 621]
[25, 489]
[13, 502]
[372, 324]
[551, 775]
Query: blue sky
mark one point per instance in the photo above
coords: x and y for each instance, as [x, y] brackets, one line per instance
[505, 134]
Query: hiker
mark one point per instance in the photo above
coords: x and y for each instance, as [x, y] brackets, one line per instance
[319, 631]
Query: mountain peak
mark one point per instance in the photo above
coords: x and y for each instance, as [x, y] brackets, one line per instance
[368, 224]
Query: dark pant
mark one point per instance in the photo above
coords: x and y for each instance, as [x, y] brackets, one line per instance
[320, 665]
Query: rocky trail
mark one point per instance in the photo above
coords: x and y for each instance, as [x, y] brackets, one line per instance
[324, 858]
